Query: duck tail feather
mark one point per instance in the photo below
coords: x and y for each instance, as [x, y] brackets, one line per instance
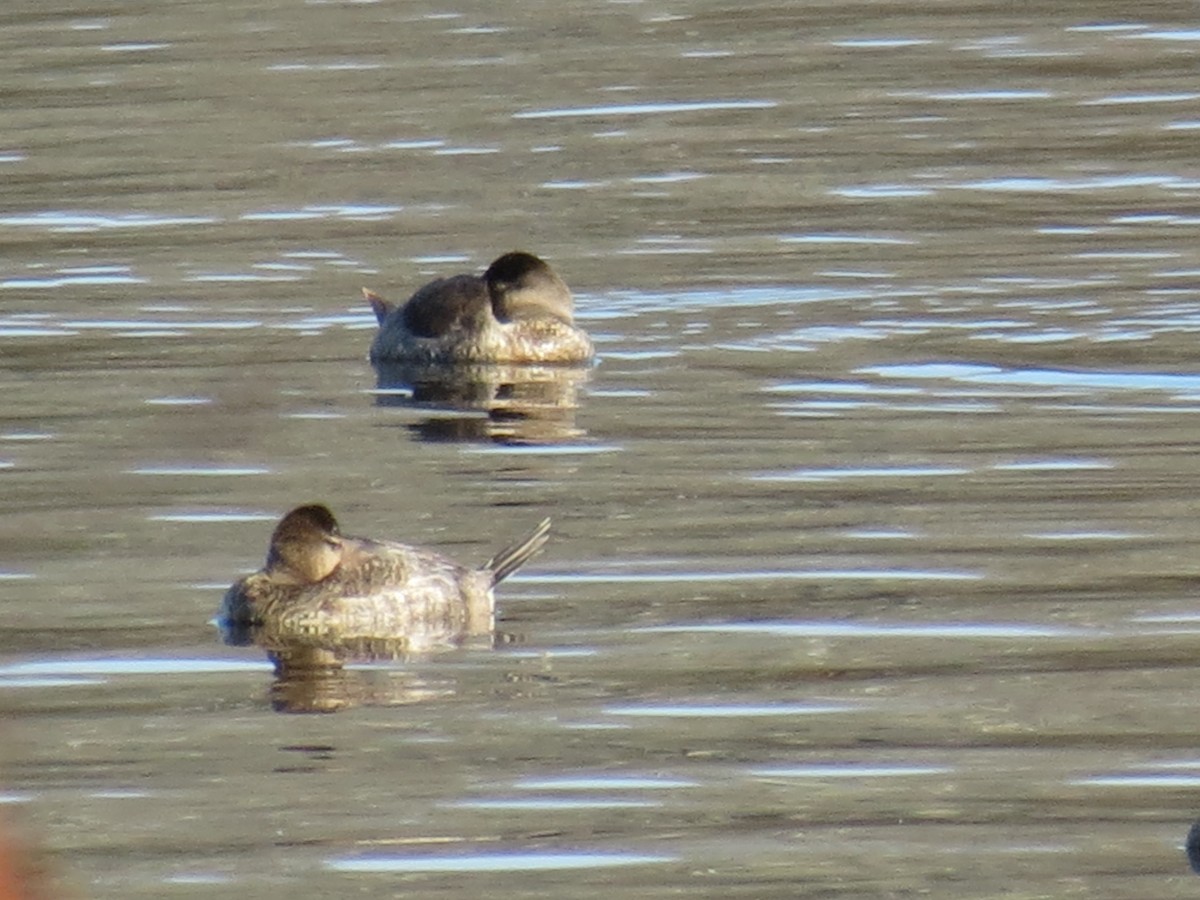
[379, 306]
[516, 555]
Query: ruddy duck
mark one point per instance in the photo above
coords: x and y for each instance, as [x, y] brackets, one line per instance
[318, 582]
[518, 311]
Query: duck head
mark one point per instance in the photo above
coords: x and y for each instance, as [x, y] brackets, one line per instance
[306, 546]
[523, 285]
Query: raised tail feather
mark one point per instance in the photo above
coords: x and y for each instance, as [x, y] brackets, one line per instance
[380, 306]
[516, 555]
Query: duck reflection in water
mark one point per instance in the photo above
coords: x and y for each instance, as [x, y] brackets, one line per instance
[323, 598]
[498, 403]
[311, 679]
[503, 346]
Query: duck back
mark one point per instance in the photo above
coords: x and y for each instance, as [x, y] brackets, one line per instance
[457, 303]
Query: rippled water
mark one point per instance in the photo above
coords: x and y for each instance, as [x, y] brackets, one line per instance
[872, 570]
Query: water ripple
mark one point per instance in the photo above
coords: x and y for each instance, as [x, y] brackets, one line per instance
[1058, 378]
[492, 862]
[83, 275]
[211, 516]
[728, 710]
[353, 212]
[643, 109]
[140, 325]
[1173, 97]
[880, 43]
[552, 803]
[604, 782]
[1031, 184]
[1066, 464]
[841, 770]
[1145, 780]
[140, 47]
[879, 629]
[845, 239]
[754, 576]
[62, 220]
[1180, 34]
[839, 473]
[201, 470]
[980, 94]
[116, 666]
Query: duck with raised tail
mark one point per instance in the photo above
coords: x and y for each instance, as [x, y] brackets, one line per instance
[318, 582]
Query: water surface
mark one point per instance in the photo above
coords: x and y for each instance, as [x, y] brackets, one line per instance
[872, 569]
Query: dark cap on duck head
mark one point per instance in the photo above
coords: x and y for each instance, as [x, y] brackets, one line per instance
[512, 268]
[521, 283]
[306, 545]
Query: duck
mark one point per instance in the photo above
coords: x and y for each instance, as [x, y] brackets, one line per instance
[519, 311]
[319, 583]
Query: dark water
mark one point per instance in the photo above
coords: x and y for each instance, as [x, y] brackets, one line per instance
[873, 567]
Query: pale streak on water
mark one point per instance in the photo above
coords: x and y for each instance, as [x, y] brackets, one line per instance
[873, 566]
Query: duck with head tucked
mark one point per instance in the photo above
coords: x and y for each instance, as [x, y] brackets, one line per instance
[518, 311]
[320, 583]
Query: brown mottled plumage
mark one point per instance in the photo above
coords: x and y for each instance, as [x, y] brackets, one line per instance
[518, 311]
[318, 582]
